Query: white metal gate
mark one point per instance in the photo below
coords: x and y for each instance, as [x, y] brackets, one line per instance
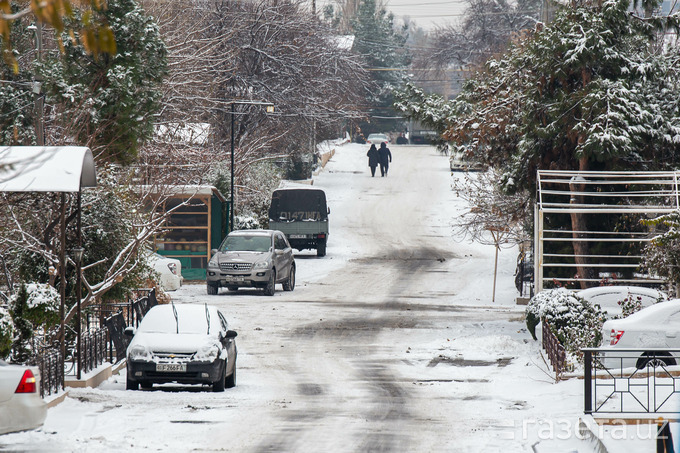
[594, 193]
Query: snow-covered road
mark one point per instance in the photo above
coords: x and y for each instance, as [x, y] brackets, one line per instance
[389, 343]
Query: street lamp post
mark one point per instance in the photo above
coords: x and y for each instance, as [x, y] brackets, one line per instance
[231, 187]
[78, 258]
[270, 109]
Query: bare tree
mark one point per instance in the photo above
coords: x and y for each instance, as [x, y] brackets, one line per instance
[485, 30]
[493, 217]
[226, 54]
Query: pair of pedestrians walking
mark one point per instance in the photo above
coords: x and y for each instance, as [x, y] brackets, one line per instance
[381, 157]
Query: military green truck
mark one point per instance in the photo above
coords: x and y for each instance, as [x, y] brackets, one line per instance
[302, 215]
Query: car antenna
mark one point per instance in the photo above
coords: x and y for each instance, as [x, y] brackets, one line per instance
[207, 317]
[174, 311]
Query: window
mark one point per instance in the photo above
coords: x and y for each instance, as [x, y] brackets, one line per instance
[279, 242]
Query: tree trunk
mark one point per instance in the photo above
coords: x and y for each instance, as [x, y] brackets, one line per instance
[578, 225]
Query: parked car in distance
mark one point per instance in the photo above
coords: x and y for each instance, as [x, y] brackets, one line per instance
[377, 139]
[608, 297]
[302, 215]
[650, 330]
[459, 162]
[252, 258]
[186, 343]
[21, 407]
[423, 137]
[169, 271]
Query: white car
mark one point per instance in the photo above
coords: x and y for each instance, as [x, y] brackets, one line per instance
[608, 297]
[169, 271]
[650, 332]
[185, 343]
[459, 162]
[21, 407]
[377, 139]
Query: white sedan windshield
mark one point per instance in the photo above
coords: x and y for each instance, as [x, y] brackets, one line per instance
[191, 319]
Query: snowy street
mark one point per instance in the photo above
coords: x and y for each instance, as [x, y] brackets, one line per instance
[389, 343]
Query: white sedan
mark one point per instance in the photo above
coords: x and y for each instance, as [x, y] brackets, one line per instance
[650, 332]
[21, 407]
[169, 271]
[377, 139]
[185, 343]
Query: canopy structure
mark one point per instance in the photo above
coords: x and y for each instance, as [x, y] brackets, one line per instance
[53, 169]
[46, 169]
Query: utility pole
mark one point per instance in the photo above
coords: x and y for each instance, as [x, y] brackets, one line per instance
[38, 99]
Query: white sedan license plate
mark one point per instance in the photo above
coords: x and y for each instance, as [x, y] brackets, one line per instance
[171, 367]
[298, 236]
[235, 279]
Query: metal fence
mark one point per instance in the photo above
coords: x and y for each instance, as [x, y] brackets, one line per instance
[118, 342]
[556, 352]
[631, 381]
[133, 310]
[51, 365]
[93, 349]
[603, 197]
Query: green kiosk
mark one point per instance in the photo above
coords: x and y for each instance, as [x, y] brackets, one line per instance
[195, 228]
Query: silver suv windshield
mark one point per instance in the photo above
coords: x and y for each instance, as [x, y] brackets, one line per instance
[246, 244]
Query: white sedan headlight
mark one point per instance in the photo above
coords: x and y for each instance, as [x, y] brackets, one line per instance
[208, 353]
[266, 264]
[138, 352]
[212, 264]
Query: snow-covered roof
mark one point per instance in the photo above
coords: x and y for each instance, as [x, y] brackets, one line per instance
[46, 169]
[344, 42]
[191, 190]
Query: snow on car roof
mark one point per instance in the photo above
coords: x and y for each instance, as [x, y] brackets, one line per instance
[251, 233]
[191, 318]
[617, 290]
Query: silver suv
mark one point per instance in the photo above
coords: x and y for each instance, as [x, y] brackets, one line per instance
[252, 258]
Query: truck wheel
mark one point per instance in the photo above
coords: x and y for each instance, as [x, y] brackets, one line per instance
[212, 289]
[289, 285]
[271, 284]
[321, 249]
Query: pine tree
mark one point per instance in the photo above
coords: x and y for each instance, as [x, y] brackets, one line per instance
[383, 48]
[108, 102]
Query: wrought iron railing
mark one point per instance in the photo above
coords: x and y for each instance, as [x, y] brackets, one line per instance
[51, 365]
[93, 349]
[556, 352]
[133, 310]
[631, 381]
[118, 342]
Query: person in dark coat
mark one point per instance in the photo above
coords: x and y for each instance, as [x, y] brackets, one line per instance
[385, 154]
[373, 158]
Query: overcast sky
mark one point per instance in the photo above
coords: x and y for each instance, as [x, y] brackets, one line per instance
[427, 13]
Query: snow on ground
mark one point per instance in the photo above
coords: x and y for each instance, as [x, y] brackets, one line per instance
[471, 376]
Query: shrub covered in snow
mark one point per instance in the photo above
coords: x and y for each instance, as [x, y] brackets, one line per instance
[6, 332]
[34, 309]
[576, 322]
[42, 305]
[246, 222]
